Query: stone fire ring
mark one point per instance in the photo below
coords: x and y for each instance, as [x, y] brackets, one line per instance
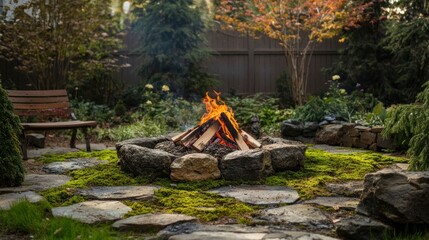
[149, 157]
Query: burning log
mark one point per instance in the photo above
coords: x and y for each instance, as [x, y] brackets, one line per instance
[216, 125]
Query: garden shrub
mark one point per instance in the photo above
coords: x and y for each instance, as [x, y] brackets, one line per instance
[408, 126]
[11, 168]
[266, 108]
[357, 107]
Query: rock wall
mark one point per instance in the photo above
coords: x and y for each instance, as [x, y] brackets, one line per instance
[338, 134]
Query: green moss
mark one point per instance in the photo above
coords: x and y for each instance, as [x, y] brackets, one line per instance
[107, 155]
[323, 167]
[205, 206]
[188, 197]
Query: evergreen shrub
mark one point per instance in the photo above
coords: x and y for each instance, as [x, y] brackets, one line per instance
[408, 126]
[11, 168]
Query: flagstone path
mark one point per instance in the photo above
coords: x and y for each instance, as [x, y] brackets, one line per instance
[298, 220]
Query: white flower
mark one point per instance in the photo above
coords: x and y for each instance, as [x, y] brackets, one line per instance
[165, 88]
[148, 102]
[336, 77]
[149, 86]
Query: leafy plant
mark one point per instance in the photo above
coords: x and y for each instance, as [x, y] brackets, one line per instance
[266, 108]
[285, 22]
[11, 168]
[408, 126]
[59, 42]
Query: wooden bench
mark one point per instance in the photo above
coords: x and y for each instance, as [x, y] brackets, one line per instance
[47, 105]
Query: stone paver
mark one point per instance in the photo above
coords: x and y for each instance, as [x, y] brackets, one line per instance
[349, 189]
[72, 164]
[151, 222]
[336, 202]
[93, 211]
[193, 231]
[39, 182]
[119, 192]
[296, 214]
[37, 152]
[259, 194]
[337, 149]
[6, 200]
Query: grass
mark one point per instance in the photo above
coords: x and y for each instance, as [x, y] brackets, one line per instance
[35, 219]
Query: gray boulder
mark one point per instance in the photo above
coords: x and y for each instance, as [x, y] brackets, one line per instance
[285, 156]
[396, 196]
[149, 142]
[330, 134]
[142, 161]
[36, 139]
[292, 128]
[245, 165]
[361, 228]
[194, 167]
[310, 129]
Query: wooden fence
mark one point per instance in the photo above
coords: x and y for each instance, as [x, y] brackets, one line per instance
[242, 64]
[245, 65]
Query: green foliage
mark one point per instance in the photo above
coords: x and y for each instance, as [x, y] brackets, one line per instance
[172, 37]
[144, 128]
[388, 55]
[266, 108]
[35, 219]
[357, 107]
[91, 111]
[11, 168]
[408, 126]
[65, 44]
[22, 217]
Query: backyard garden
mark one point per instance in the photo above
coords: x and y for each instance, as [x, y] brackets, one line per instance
[340, 154]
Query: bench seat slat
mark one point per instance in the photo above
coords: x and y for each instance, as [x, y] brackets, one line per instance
[58, 125]
[39, 93]
[26, 106]
[38, 99]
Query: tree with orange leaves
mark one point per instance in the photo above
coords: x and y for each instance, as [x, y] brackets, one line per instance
[296, 24]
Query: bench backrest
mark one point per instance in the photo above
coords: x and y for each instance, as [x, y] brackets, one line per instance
[40, 103]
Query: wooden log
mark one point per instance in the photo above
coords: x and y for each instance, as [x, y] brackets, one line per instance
[179, 137]
[237, 137]
[252, 142]
[193, 136]
[202, 142]
[229, 125]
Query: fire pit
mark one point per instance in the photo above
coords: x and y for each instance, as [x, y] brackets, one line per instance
[217, 125]
[215, 148]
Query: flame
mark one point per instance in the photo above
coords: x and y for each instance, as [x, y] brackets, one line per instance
[215, 107]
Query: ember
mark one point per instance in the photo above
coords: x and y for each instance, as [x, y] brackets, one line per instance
[217, 125]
